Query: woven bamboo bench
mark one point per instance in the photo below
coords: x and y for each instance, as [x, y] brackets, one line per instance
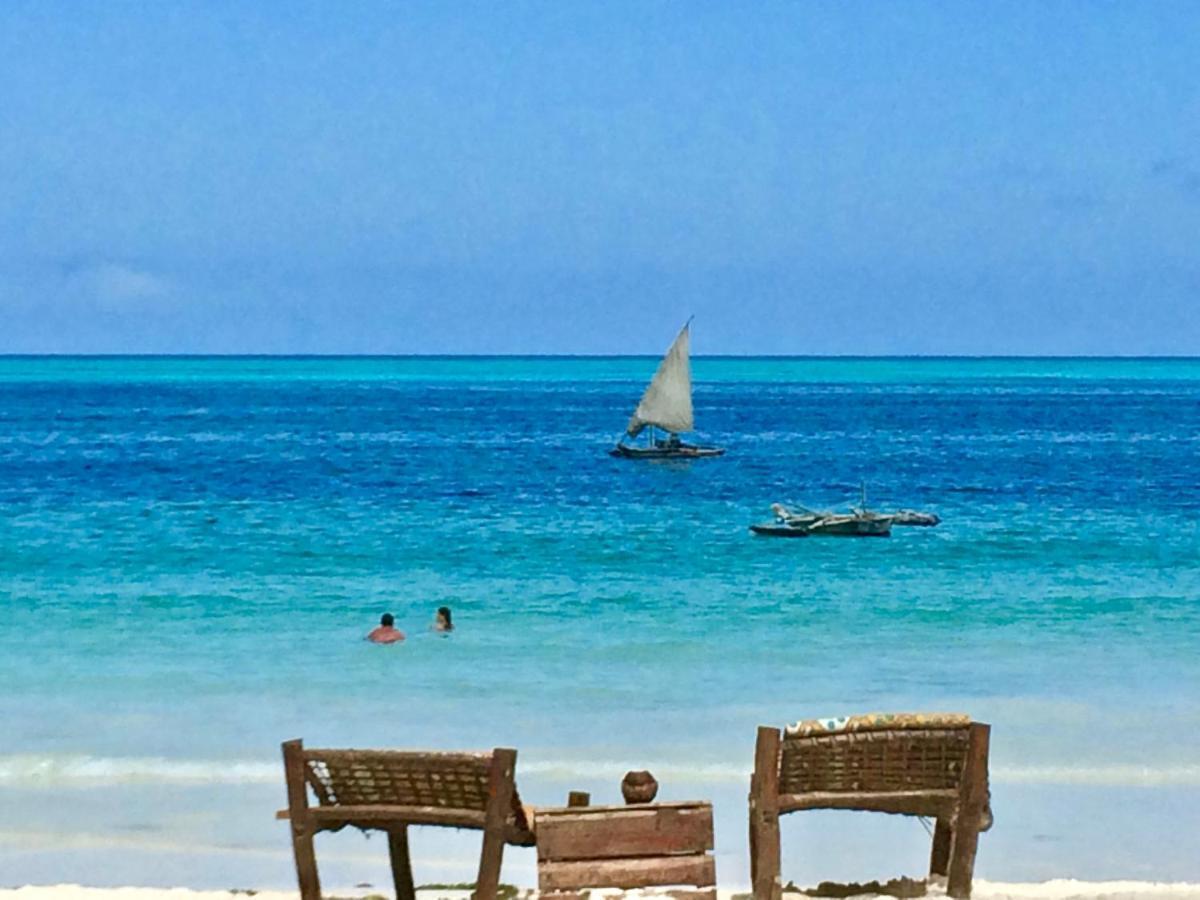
[389, 790]
[907, 764]
[638, 846]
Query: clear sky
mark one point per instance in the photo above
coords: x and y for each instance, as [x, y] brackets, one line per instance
[804, 177]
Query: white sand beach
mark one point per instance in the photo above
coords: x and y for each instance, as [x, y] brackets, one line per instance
[1057, 889]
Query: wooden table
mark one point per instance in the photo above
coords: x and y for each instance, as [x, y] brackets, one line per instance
[636, 846]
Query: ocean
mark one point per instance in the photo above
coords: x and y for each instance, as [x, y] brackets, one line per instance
[191, 550]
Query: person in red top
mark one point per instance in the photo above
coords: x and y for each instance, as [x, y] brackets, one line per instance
[387, 632]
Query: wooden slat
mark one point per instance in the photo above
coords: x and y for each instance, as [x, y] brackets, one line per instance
[544, 812]
[633, 831]
[699, 871]
[421, 758]
[913, 803]
[665, 894]
[378, 816]
[709, 893]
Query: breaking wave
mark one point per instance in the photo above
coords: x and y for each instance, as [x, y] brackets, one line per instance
[81, 771]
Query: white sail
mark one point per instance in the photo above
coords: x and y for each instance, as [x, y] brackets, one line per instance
[667, 402]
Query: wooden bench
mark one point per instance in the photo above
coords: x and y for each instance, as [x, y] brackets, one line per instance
[930, 765]
[389, 790]
[626, 847]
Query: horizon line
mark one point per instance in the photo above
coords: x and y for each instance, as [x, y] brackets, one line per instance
[614, 356]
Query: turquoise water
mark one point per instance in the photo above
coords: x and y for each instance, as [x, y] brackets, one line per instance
[192, 548]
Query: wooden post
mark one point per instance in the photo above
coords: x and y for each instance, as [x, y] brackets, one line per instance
[939, 859]
[402, 877]
[500, 793]
[972, 797]
[753, 801]
[298, 819]
[578, 798]
[764, 817]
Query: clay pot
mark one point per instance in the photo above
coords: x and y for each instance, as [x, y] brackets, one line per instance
[639, 787]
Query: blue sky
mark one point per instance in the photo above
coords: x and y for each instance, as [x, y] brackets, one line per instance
[579, 178]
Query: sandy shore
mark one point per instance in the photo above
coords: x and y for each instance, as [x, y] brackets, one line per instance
[1059, 889]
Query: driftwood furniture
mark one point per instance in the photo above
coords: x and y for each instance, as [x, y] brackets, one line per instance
[910, 764]
[389, 790]
[636, 846]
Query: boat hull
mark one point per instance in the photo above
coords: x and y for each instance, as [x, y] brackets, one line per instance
[853, 528]
[683, 451]
[785, 531]
[831, 526]
[919, 519]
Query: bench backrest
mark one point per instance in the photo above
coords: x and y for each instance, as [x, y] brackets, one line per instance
[398, 778]
[910, 763]
[414, 786]
[877, 761]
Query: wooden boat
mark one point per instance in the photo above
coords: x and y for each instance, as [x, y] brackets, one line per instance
[664, 449]
[859, 522]
[856, 524]
[912, 517]
[779, 529]
[666, 405]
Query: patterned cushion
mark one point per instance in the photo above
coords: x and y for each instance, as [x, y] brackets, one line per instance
[876, 722]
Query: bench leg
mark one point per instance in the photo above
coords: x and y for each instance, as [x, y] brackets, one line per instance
[500, 793]
[306, 863]
[962, 862]
[764, 817]
[764, 858]
[939, 859]
[299, 821]
[972, 802]
[401, 863]
[487, 885]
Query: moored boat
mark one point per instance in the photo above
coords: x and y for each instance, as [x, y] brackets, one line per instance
[667, 406]
[860, 523]
[779, 529]
[913, 517]
[665, 449]
[802, 522]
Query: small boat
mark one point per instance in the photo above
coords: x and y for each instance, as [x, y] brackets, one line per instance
[668, 448]
[666, 405]
[779, 529]
[805, 523]
[859, 523]
[802, 522]
[912, 517]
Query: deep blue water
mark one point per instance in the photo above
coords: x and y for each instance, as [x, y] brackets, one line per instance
[191, 550]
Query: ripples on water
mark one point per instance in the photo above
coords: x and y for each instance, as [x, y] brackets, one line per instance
[217, 535]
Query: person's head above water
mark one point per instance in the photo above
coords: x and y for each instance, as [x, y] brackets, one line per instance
[443, 621]
[386, 632]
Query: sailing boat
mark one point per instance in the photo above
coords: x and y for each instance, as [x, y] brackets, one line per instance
[666, 405]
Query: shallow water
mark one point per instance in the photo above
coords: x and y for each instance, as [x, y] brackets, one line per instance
[191, 550]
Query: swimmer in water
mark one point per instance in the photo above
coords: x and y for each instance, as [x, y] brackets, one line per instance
[387, 632]
[441, 621]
